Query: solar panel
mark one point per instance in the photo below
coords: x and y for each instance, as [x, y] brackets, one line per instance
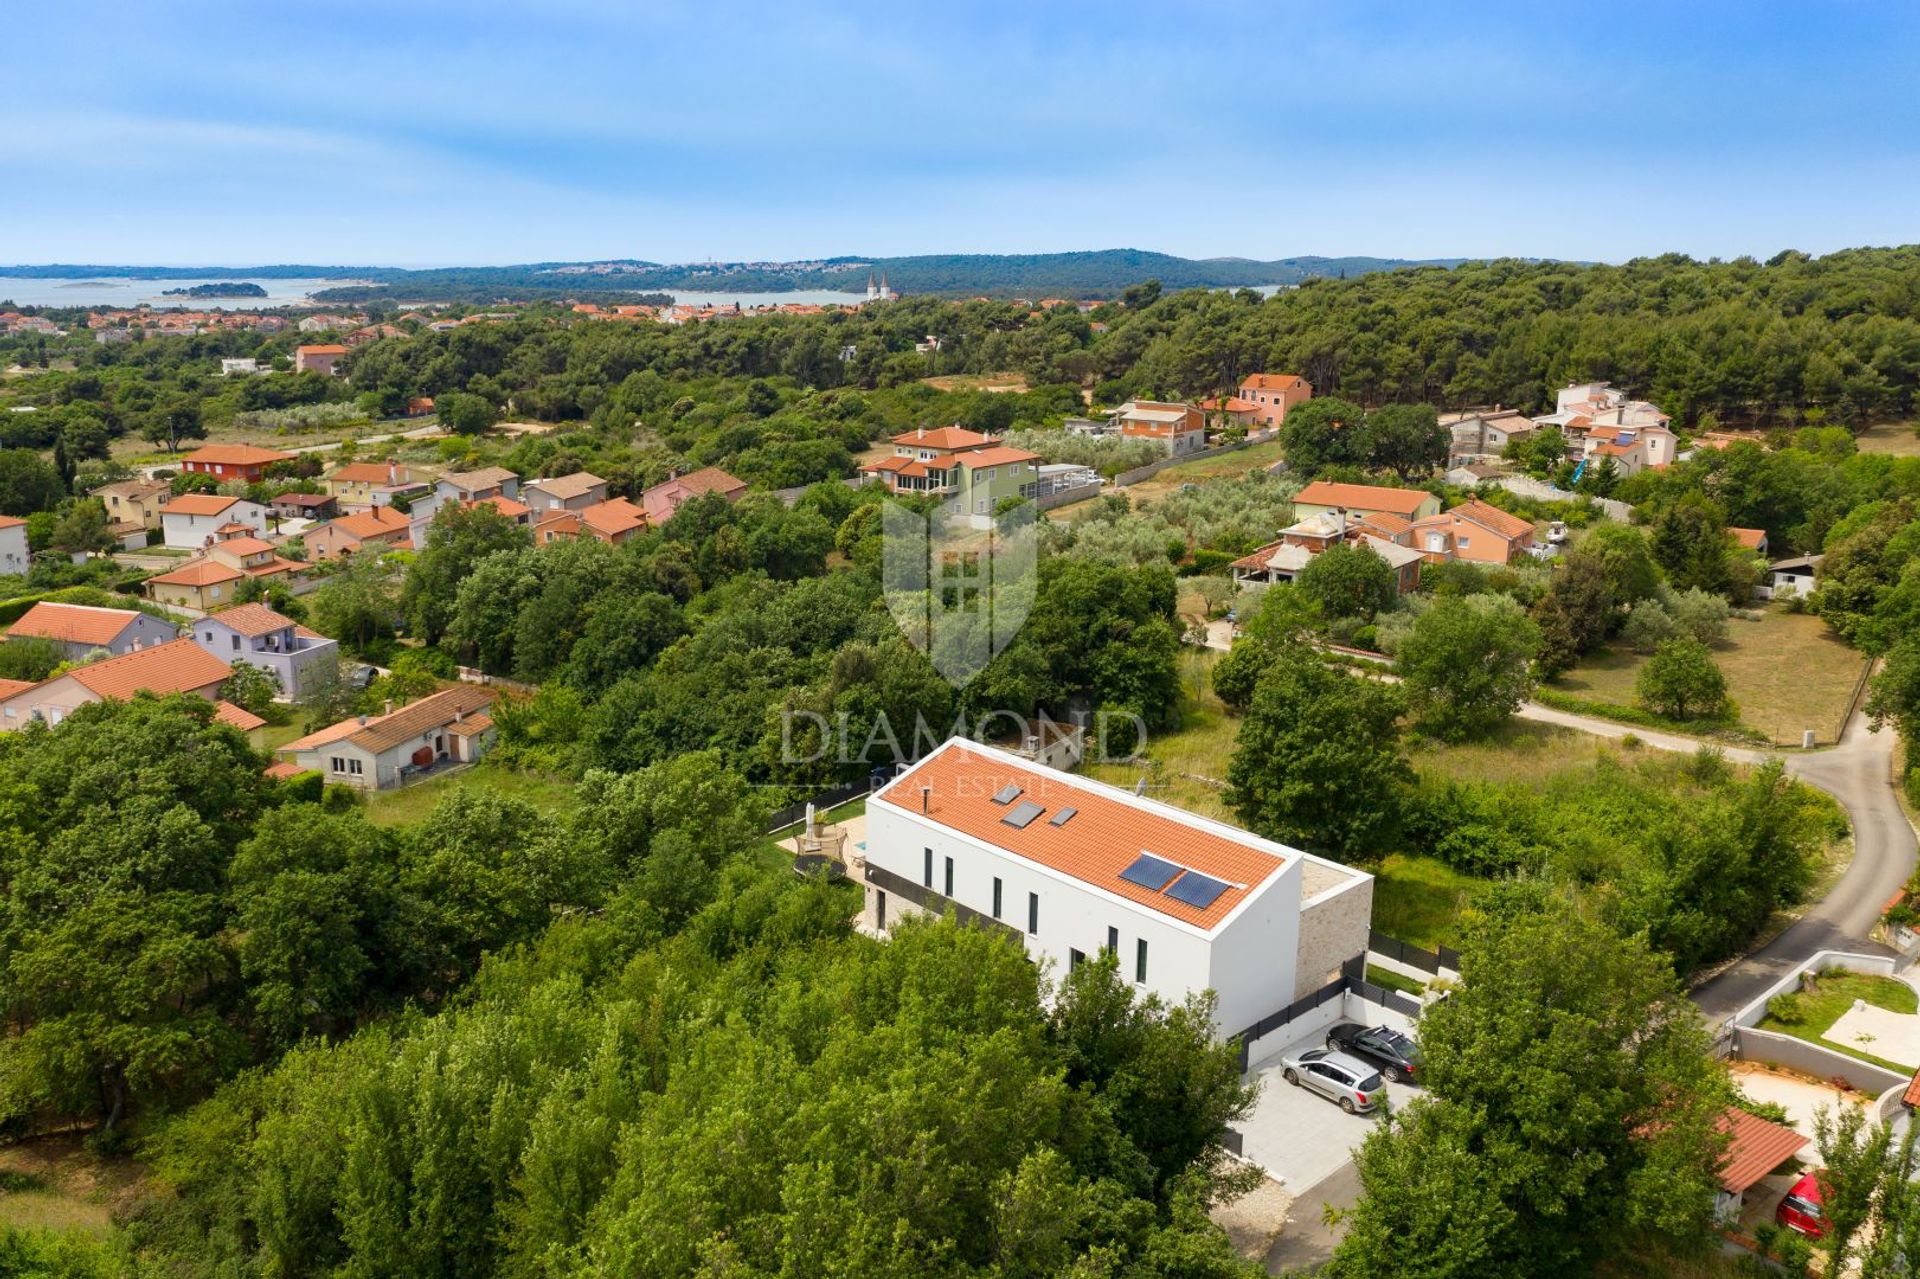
[1196, 890]
[1062, 817]
[1007, 794]
[1150, 872]
[1023, 815]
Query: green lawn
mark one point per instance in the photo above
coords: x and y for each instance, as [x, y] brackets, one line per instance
[1814, 1011]
[1182, 765]
[1787, 672]
[1419, 900]
[552, 796]
[1518, 751]
[1394, 981]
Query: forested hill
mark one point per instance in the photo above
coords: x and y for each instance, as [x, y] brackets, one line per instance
[1100, 273]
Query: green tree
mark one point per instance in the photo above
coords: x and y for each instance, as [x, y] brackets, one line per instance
[457, 539]
[251, 688]
[82, 528]
[1895, 692]
[172, 421]
[358, 603]
[1681, 681]
[464, 414]
[1317, 761]
[1691, 543]
[28, 483]
[1631, 571]
[1346, 580]
[1569, 1107]
[1574, 615]
[1465, 664]
[1406, 439]
[1324, 432]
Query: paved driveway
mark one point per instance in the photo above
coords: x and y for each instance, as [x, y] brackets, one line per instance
[1298, 1136]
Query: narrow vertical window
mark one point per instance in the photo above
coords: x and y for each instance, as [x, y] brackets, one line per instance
[949, 880]
[1113, 941]
[880, 910]
[996, 897]
[926, 875]
[1075, 959]
[1033, 913]
[1140, 961]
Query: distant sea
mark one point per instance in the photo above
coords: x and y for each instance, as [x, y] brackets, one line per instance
[802, 297]
[129, 293]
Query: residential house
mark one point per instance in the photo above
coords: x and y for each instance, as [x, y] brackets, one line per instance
[614, 521]
[1272, 394]
[1061, 477]
[559, 526]
[1630, 449]
[1324, 497]
[255, 635]
[233, 463]
[565, 492]
[663, 499]
[319, 358]
[15, 557]
[1178, 428]
[193, 520]
[1475, 531]
[80, 629]
[179, 666]
[1468, 475]
[1283, 560]
[462, 487]
[973, 472]
[368, 483]
[135, 501]
[1231, 410]
[1751, 539]
[420, 406]
[208, 580]
[1790, 578]
[1581, 407]
[376, 527]
[303, 506]
[1074, 867]
[374, 752]
[1479, 434]
[246, 367]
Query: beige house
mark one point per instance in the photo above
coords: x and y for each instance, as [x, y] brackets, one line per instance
[373, 528]
[176, 667]
[358, 483]
[1324, 497]
[135, 501]
[1272, 394]
[208, 581]
[379, 751]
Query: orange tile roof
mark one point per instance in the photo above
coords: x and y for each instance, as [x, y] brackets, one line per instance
[505, 505]
[242, 545]
[1231, 404]
[369, 473]
[556, 519]
[1273, 381]
[251, 619]
[282, 769]
[8, 687]
[1366, 497]
[472, 726]
[72, 623]
[323, 348]
[198, 504]
[1486, 515]
[12, 521]
[382, 732]
[1751, 538]
[1386, 522]
[892, 462]
[237, 455]
[375, 521]
[614, 516]
[178, 666]
[201, 572]
[1109, 829]
[709, 479]
[1758, 1146]
[943, 437]
[993, 456]
[241, 718]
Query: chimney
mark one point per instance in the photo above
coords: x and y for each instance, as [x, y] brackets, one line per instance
[458, 714]
[926, 796]
[388, 707]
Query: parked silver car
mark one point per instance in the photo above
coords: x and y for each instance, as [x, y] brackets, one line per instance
[1352, 1083]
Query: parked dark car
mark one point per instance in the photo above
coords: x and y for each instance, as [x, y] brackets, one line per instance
[1397, 1056]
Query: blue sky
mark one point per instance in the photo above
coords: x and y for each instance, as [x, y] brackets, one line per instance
[421, 133]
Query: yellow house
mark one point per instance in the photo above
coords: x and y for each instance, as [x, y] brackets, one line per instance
[354, 483]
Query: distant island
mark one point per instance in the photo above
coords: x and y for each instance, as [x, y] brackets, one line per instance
[224, 289]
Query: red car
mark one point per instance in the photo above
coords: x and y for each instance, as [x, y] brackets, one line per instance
[1800, 1210]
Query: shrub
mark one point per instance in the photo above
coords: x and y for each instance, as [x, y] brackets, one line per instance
[1788, 1010]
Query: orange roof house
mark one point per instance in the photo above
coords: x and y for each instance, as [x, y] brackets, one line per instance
[1752, 539]
[178, 666]
[241, 462]
[80, 628]
[1075, 867]
[376, 525]
[1475, 531]
[613, 521]
[1323, 497]
[1755, 1147]
[663, 499]
[1272, 394]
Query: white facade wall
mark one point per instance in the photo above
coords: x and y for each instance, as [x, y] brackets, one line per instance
[14, 558]
[1250, 963]
[193, 532]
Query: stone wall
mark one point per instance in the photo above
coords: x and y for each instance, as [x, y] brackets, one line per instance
[1333, 929]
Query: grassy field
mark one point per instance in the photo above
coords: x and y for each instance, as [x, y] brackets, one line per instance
[1013, 381]
[1186, 766]
[552, 796]
[56, 1183]
[1519, 751]
[1787, 672]
[1833, 993]
[1896, 438]
[1419, 900]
